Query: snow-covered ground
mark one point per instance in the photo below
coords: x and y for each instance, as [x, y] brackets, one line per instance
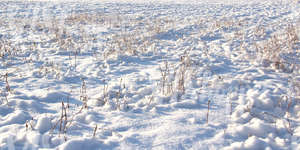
[160, 74]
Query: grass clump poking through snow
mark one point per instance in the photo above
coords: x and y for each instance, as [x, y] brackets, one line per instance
[5, 93]
[277, 51]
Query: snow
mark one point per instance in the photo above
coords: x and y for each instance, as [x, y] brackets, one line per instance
[43, 124]
[78, 144]
[158, 74]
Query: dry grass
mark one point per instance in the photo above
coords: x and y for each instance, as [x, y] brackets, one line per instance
[95, 131]
[105, 97]
[83, 94]
[207, 114]
[62, 122]
[7, 91]
[165, 74]
[28, 124]
[272, 50]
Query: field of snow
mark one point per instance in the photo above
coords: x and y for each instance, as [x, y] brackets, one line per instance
[161, 74]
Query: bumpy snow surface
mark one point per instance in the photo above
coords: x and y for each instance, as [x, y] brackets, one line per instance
[150, 75]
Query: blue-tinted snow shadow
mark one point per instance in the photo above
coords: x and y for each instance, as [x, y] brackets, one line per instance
[4, 110]
[172, 35]
[57, 97]
[30, 105]
[50, 97]
[210, 38]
